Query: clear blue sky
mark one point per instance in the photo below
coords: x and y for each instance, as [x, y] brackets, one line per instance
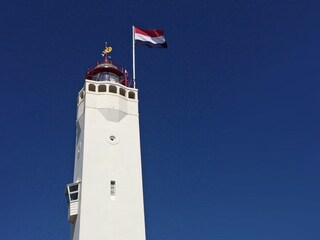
[229, 114]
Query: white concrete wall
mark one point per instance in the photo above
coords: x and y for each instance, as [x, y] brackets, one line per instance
[100, 160]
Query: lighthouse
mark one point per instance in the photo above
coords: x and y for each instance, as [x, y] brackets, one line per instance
[105, 199]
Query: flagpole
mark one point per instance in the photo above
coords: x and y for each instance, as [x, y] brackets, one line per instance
[133, 60]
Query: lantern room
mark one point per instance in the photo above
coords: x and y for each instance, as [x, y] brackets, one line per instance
[107, 71]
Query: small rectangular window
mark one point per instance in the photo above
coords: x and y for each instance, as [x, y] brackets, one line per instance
[74, 196]
[73, 188]
[112, 188]
[72, 192]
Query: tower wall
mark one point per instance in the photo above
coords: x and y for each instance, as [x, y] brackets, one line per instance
[108, 164]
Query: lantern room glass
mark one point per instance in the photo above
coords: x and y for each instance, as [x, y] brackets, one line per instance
[106, 76]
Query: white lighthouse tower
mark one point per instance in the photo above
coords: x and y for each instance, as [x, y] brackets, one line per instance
[105, 200]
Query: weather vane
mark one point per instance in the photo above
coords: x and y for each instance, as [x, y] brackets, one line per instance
[106, 50]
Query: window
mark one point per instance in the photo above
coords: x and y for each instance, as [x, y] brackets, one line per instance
[81, 95]
[102, 88]
[114, 78]
[113, 89]
[132, 95]
[73, 196]
[72, 192]
[92, 88]
[112, 188]
[73, 188]
[122, 92]
[106, 76]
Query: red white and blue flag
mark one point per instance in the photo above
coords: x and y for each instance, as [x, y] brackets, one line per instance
[150, 38]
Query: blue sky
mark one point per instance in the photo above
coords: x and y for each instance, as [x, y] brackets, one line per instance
[229, 114]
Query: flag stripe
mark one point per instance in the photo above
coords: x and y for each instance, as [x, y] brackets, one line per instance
[151, 45]
[154, 40]
[151, 33]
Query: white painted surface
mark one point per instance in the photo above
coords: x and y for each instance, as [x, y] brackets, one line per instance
[73, 211]
[99, 160]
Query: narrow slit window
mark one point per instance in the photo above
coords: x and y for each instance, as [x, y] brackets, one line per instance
[112, 188]
[81, 95]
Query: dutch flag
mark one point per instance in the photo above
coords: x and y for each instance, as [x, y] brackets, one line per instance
[150, 38]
